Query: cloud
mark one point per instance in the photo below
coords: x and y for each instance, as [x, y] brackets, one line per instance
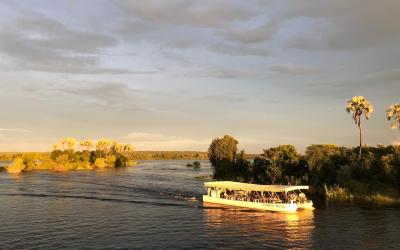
[259, 34]
[239, 50]
[227, 73]
[335, 25]
[152, 141]
[208, 13]
[142, 136]
[293, 69]
[39, 43]
[224, 98]
[19, 130]
[385, 81]
[105, 94]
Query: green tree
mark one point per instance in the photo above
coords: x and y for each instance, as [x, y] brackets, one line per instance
[358, 106]
[222, 154]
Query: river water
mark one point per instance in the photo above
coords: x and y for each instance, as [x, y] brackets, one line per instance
[157, 204]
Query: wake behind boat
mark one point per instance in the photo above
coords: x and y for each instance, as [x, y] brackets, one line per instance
[278, 198]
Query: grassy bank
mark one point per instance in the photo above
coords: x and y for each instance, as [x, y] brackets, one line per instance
[136, 155]
[342, 194]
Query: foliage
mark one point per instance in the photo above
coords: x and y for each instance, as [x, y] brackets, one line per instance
[393, 112]
[110, 161]
[16, 167]
[68, 143]
[63, 158]
[222, 155]
[87, 145]
[100, 163]
[196, 164]
[358, 106]
[323, 167]
[62, 163]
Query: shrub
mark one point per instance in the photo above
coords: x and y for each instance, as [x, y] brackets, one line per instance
[46, 164]
[196, 164]
[83, 165]
[100, 163]
[62, 163]
[17, 166]
[110, 161]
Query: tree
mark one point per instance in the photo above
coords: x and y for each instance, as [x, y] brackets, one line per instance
[283, 160]
[87, 144]
[103, 145]
[128, 148]
[100, 163]
[17, 166]
[55, 146]
[393, 112]
[358, 106]
[222, 154]
[68, 143]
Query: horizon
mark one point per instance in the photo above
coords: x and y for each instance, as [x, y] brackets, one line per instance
[268, 73]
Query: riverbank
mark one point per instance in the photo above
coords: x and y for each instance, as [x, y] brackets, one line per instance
[136, 155]
[339, 194]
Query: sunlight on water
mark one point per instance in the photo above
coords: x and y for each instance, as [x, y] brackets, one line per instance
[158, 205]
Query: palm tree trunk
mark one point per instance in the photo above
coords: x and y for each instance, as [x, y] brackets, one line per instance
[360, 129]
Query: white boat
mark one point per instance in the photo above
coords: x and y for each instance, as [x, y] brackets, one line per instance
[278, 198]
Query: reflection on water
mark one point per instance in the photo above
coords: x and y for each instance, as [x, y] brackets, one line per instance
[264, 228]
[157, 205]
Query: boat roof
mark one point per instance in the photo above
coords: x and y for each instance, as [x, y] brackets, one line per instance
[252, 187]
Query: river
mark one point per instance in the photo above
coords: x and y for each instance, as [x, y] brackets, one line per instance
[157, 204]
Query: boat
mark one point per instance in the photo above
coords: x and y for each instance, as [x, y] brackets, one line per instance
[276, 198]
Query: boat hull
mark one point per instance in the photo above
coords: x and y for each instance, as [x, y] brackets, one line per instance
[274, 207]
[306, 205]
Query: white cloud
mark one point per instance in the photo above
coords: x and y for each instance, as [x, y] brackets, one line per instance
[19, 130]
[142, 136]
[155, 141]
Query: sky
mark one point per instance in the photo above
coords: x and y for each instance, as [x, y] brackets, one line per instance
[173, 75]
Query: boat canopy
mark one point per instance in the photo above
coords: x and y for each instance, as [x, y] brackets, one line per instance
[252, 187]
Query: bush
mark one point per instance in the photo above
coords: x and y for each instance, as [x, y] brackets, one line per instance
[83, 165]
[46, 164]
[100, 163]
[17, 166]
[62, 163]
[196, 164]
[110, 161]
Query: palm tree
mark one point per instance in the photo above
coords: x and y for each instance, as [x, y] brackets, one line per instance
[393, 112]
[359, 106]
[103, 145]
[87, 144]
[68, 143]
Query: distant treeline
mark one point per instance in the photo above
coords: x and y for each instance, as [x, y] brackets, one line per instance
[328, 169]
[66, 156]
[136, 155]
[167, 155]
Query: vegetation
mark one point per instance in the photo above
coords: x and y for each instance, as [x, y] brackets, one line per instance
[359, 106]
[195, 165]
[328, 169]
[107, 154]
[393, 113]
[130, 155]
